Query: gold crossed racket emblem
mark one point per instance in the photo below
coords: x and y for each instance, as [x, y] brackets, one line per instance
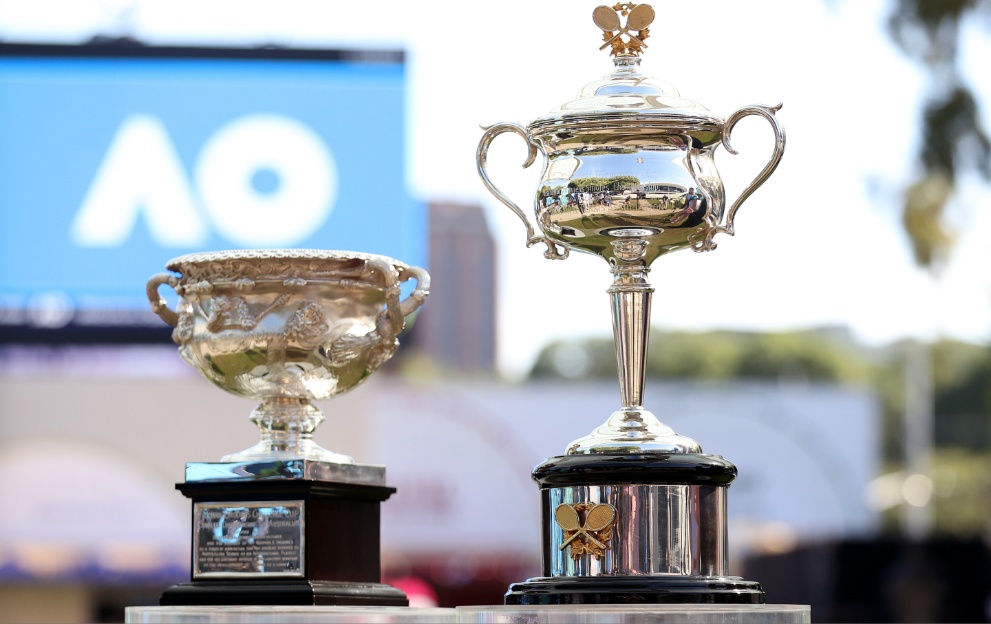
[589, 534]
[638, 18]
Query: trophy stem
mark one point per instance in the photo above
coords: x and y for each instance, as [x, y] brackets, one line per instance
[286, 426]
[631, 295]
[631, 429]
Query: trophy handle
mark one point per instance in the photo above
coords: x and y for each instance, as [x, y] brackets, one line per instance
[158, 304]
[554, 251]
[419, 294]
[767, 112]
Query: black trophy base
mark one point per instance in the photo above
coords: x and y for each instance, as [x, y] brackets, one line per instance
[329, 537]
[635, 590]
[296, 592]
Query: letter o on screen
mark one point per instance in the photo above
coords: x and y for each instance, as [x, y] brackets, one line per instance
[298, 173]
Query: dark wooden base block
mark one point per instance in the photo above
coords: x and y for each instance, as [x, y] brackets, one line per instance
[284, 593]
[340, 546]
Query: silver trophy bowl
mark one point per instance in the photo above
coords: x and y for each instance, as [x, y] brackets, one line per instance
[287, 327]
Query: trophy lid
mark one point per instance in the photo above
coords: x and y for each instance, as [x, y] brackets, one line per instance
[626, 97]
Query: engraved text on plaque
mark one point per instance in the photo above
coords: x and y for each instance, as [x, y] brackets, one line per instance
[248, 539]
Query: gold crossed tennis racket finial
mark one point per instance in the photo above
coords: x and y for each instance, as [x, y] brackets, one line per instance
[638, 18]
[595, 530]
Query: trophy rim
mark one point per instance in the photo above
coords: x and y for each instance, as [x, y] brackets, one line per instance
[203, 257]
[624, 120]
[641, 468]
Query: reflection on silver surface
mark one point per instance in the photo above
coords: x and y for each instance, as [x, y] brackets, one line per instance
[289, 327]
[657, 529]
[285, 469]
[630, 154]
[249, 539]
[629, 175]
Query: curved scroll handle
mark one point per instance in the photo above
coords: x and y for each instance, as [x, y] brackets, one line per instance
[554, 251]
[158, 304]
[419, 294]
[767, 112]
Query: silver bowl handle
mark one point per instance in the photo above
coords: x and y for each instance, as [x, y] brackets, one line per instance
[158, 304]
[702, 238]
[419, 294]
[554, 251]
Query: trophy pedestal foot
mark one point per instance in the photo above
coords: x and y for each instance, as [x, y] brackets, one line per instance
[271, 534]
[633, 431]
[628, 528]
[635, 590]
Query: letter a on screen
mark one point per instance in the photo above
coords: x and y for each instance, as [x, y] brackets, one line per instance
[141, 172]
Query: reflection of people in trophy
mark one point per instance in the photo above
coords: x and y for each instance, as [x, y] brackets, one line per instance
[633, 461]
[699, 215]
[228, 529]
[691, 201]
[691, 207]
[262, 526]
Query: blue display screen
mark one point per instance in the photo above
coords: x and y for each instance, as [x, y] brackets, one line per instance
[111, 165]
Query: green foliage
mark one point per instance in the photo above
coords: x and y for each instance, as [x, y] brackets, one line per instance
[961, 462]
[813, 356]
[954, 138]
[962, 372]
[960, 502]
[596, 183]
[624, 181]
[962, 394]
[584, 184]
[961, 482]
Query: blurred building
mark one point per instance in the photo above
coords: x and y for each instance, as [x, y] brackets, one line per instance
[459, 331]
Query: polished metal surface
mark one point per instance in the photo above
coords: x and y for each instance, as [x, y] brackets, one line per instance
[629, 175]
[249, 539]
[632, 429]
[285, 469]
[654, 529]
[288, 327]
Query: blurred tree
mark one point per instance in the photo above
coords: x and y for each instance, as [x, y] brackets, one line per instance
[807, 356]
[961, 387]
[961, 395]
[962, 372]
[953, 139]
[583, 184]
[953, 142]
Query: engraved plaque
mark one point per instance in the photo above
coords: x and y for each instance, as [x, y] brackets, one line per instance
[249, 539]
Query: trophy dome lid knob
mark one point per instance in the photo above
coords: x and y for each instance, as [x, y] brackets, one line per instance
[629, 39]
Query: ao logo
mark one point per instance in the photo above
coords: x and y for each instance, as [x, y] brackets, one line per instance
[262, 181]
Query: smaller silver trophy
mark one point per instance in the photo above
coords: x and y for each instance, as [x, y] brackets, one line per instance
[633, 512]
[286, 521]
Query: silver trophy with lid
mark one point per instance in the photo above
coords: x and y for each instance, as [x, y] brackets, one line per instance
[633, 512]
